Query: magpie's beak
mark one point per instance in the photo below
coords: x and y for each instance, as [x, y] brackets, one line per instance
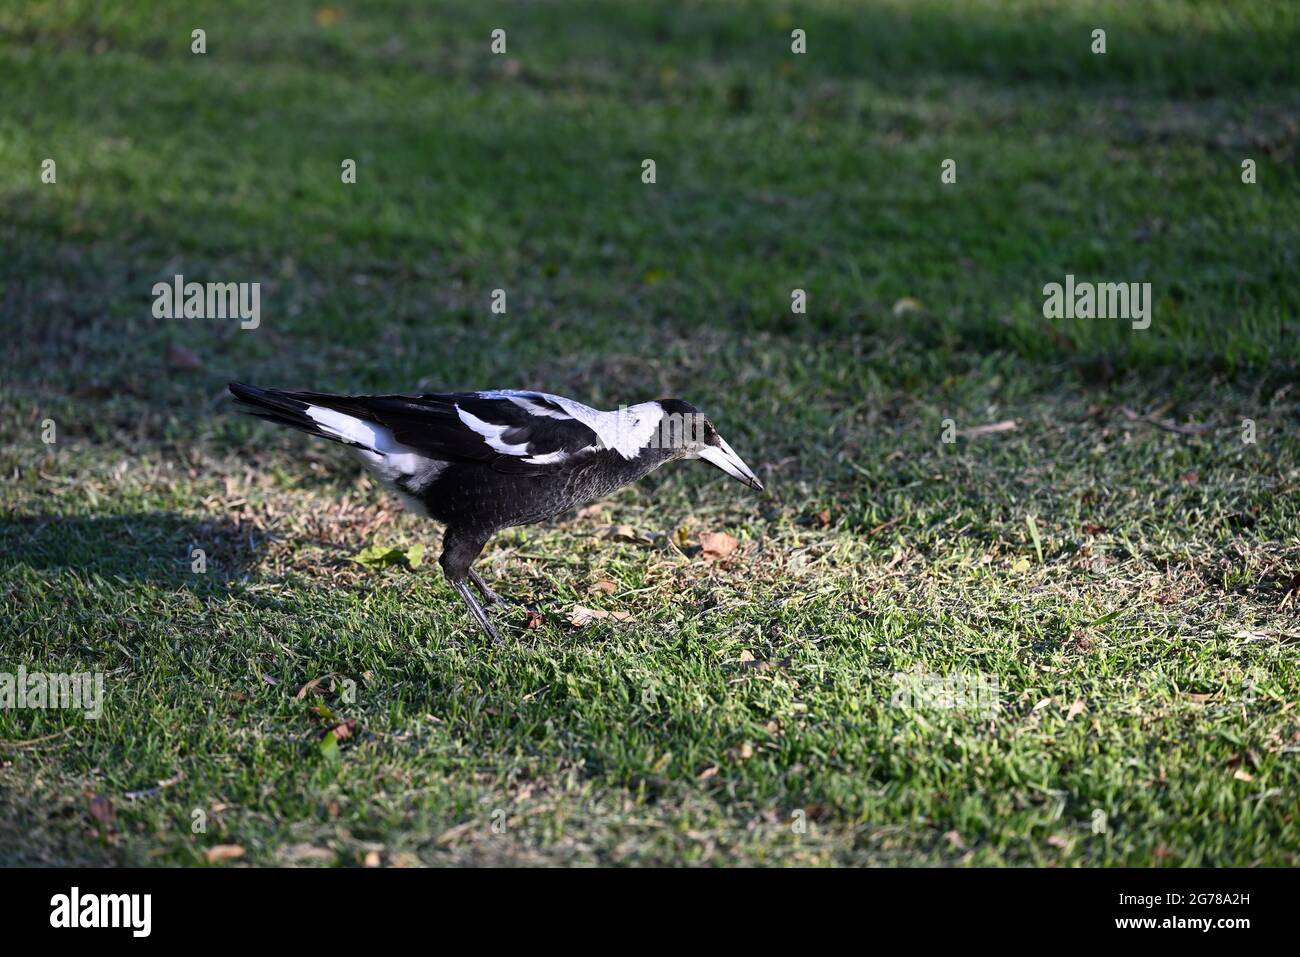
[726, 459]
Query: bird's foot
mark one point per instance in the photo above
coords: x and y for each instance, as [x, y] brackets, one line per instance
[491, 598]
[488, 594]
[477, 611]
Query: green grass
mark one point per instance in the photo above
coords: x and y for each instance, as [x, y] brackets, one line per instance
[1131, 589]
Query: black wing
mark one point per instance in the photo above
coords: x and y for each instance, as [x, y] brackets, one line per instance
[516, 432]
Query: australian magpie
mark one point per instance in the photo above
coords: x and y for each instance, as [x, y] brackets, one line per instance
[482, 461]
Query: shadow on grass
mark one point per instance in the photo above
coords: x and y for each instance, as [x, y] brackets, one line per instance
[166, 549]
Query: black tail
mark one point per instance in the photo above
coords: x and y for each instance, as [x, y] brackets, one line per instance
[274, 406]
[284, 408]
[301, 410]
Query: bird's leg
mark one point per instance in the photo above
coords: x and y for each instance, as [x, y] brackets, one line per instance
[460, 546]
[488, 593]
[476, 610]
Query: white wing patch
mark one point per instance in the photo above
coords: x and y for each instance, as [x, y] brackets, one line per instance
[349, 428]
[553, 458]
[491, 433]
[390, 459]
[626, 430]
[535, 408]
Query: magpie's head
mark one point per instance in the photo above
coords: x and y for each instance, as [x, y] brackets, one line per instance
[690, 434]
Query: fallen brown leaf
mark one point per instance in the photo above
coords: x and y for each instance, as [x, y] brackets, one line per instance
[223, 852]
[717, 545]
[101, 809]
[1292, 591]
[1006, 425]
[309, 686]
[817, 812]
[582, 615]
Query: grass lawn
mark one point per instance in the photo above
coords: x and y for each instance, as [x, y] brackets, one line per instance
[1121, 568]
